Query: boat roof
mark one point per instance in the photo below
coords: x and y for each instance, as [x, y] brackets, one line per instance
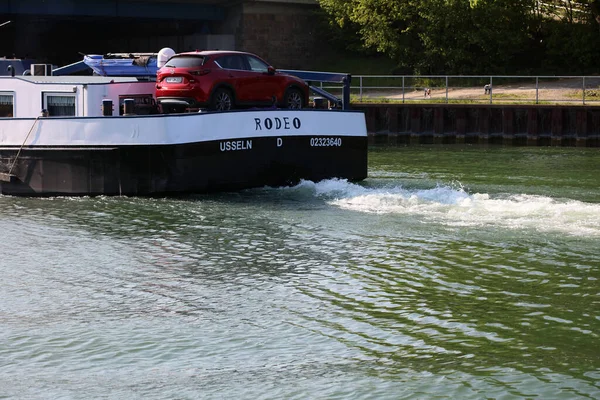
[74, 79]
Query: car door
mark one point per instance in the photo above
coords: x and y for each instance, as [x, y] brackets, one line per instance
[263, 85]
[238, 76]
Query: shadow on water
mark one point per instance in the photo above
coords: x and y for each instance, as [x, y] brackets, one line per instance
[216, 236]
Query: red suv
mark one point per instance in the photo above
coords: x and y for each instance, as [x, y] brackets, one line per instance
[223, 80]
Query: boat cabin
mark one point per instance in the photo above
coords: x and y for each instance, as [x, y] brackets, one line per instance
[80, 96]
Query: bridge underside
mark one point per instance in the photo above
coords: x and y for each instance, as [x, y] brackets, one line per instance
[180, 10]
[59, 31]
[63, 40]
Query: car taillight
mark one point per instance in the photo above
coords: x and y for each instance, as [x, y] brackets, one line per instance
[200, 72]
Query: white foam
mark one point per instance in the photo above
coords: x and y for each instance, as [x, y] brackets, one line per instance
[455, 207]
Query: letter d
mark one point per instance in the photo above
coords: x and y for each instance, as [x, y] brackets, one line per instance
[279, 142]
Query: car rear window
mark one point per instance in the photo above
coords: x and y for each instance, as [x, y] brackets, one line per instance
[185, 62]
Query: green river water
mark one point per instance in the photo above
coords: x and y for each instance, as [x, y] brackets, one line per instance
[451, 272]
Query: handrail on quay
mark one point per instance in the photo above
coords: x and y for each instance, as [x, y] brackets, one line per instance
[492, 89]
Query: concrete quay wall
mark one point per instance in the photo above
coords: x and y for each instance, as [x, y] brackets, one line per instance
[533, 125]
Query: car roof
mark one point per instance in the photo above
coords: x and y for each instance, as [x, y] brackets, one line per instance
[211, 53]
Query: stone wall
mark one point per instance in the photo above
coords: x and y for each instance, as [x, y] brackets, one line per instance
[283, 34]
[510, 124]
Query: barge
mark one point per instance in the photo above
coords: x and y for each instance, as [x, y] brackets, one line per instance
[100, 135]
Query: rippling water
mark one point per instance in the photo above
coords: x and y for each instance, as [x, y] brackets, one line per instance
[455, 271]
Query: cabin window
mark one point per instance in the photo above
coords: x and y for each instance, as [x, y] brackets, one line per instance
[7, 105]
[59, 105]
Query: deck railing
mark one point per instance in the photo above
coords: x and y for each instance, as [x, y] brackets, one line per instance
[497, 89]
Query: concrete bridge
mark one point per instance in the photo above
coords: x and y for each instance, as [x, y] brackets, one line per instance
[58, 31]
[159, 9]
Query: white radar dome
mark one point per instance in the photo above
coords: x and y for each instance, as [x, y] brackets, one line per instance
[163, 56]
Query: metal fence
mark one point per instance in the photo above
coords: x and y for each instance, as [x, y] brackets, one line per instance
[583, 90]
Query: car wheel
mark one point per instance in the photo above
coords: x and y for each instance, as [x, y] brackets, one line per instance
[222, 100]
[293, 99]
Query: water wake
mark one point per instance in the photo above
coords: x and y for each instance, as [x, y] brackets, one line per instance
[453, 206]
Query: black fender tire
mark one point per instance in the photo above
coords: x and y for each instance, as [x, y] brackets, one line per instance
[222, 100]
[293, 99]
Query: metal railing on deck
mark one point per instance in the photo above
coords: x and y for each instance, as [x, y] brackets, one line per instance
[340, 80]
[496, 89]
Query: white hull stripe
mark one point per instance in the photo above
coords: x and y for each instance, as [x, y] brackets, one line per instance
[179, 128]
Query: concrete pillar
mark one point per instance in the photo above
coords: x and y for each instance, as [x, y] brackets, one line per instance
[392, 117]
[461, 121]
[438, 120]
[415, 120]
[556, 128]
[581, 128]
[532, 121]
[508, 121]
[484, 120]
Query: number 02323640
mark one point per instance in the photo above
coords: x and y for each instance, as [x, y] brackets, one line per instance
[326, 142]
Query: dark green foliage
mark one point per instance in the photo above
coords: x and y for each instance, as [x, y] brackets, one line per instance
[431, 37]
[572, 48]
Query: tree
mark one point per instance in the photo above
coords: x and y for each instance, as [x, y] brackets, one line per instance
[466, 36]
[384, 26]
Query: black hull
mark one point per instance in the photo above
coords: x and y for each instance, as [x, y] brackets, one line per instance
[146, 170]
